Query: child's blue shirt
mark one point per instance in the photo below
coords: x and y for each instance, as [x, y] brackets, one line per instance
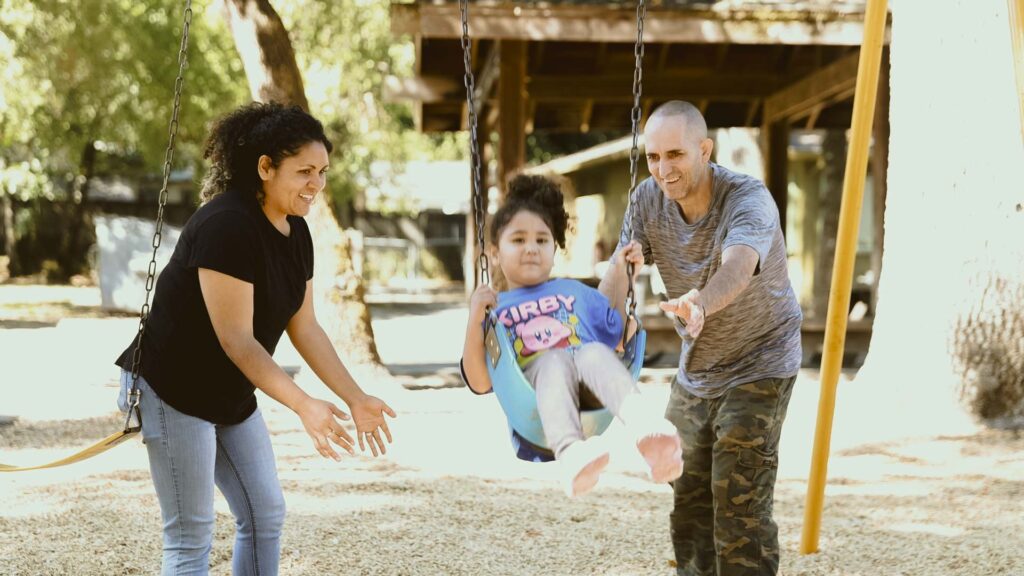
[559, 313]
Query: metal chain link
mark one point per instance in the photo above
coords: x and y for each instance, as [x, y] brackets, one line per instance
[474, 146]
[634, 153]
[133, 399]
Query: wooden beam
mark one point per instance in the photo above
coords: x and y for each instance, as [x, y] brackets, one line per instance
[812, 119]
[537, 60]
[752, 113]
[721, 54]
[585, 114]
[602, 23]
[672, 86]
[605, 88]
[531, 111]
[423, 89]
[511, 109]
[833, 83]
[663, 56]
[488, 75]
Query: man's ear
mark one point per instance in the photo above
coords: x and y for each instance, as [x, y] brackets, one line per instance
[707, 145]
[265, 166]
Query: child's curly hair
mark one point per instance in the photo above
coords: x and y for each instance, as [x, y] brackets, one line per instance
[238, 139]
[539, 195]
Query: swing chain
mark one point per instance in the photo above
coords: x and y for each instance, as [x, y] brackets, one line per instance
[474, 145]
[634, 153]
[133, 397]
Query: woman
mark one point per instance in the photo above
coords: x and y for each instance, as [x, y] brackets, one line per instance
[240, 276]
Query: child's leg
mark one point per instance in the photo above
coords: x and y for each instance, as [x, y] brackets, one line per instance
[556, 383]
[601, 370]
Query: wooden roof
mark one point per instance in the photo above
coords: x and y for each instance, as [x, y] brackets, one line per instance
[735, 59]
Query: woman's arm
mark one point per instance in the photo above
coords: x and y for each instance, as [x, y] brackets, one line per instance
[229, 302]
[316, 349]
[474, 357]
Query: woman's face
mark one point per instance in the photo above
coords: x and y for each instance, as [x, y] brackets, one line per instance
[291, 187]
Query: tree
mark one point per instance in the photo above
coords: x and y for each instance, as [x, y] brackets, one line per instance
[84, 79]
[266, 51]
[949, 313]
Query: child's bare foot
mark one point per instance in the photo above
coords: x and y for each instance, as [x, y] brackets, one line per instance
[663, 453]
[583, 463]
[657, 439]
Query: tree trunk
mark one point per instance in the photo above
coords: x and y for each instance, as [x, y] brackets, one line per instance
[949, 315]
[72, 258]
[7, 214]
[266, 51]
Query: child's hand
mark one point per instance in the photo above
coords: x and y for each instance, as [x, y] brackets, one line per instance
[631, 253]
[484, 297]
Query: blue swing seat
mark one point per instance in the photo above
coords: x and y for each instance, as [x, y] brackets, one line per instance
[519, 401]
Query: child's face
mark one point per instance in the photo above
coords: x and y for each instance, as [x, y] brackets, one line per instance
[525, 251]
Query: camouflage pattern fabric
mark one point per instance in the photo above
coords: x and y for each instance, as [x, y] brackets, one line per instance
[721, 523]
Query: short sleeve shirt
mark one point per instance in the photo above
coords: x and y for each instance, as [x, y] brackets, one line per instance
[181, 356]
[756, 336]
[559, 313]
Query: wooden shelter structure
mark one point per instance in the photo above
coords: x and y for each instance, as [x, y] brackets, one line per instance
[567, 66]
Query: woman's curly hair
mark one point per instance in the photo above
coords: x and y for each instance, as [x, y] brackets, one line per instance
[238, 139]
[539, 195]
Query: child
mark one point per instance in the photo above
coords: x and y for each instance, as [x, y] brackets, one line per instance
[565, 333]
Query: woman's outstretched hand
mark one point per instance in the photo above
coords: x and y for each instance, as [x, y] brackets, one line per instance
[321, 421]
[368, 414]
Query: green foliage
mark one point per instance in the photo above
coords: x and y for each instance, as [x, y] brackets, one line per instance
[103, 71]
[345, 51]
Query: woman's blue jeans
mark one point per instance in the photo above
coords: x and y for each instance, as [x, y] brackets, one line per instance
[188, 456]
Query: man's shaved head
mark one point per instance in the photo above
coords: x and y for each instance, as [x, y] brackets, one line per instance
[696, 126]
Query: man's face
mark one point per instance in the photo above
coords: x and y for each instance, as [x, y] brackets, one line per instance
[676, 157]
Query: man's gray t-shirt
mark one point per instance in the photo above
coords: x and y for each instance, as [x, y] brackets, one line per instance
[755, 337]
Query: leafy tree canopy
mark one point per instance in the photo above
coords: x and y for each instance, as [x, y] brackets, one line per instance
[103, 72]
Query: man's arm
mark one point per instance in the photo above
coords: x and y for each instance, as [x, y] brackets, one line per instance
[730, 280]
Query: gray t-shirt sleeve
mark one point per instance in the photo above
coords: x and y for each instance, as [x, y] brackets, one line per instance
[751, 219]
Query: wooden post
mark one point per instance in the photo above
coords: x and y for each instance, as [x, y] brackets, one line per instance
[511, 109]
[777, 166]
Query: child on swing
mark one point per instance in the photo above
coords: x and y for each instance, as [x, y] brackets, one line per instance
[565, 336]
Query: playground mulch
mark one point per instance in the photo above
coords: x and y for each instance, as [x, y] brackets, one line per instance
[947, 505]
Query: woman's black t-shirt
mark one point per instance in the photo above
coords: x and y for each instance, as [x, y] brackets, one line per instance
[181, 357]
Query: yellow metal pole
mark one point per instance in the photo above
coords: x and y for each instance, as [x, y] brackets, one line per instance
[1017, 39]
[842, 271]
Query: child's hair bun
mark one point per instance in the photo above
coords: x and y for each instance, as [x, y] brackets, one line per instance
[538, 194]
[536, 189]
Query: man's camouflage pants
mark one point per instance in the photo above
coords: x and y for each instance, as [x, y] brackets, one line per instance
[722, 522]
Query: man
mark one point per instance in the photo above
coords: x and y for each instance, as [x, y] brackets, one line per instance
[715, 236]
